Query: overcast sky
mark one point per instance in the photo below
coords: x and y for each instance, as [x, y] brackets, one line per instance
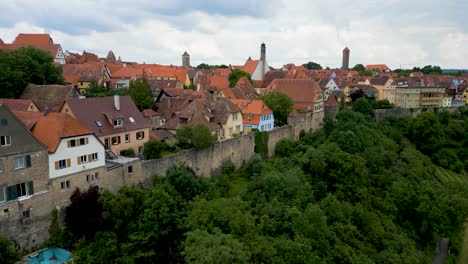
[395, 32]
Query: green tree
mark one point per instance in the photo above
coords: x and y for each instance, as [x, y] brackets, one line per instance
[362, 105]
[281, 106]
[235, 76]
[8, 253]
[102, 249]
[359, 68]
[203, 247]
[141, 94]
[56, 233]
[201, 137]
[184, 137]
[366, 73]
[427, 133]
[312, 66]
[153, 149]
[26, 65]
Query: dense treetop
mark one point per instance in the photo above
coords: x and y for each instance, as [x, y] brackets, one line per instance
[26, 65]
[353, 191]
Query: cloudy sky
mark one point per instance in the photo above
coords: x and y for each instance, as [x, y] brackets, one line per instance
[398, 33]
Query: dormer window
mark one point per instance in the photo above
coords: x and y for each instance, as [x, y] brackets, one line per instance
[118, 122]
[249, 116]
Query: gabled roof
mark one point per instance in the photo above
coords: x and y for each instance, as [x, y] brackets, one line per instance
[149, 113]
[128, 73]
[93, 113]
[87, 72]
[17, 104]
[219, 82]
[381, 67]
[250, 66]
[302, 92]
[256, 108]
[331, 101]
[50, 96]
[40, 41]
[52, 128]
[29, 119]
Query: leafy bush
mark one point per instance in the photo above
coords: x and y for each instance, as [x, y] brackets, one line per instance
[128, 153]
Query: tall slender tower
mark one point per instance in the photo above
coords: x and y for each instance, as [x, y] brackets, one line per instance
[345, 65]
[263, 59]
[185, 60]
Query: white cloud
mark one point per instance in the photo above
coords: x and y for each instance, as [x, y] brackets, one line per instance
[395, 32]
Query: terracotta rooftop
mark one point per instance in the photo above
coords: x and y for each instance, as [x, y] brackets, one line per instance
[331, 101]
[256, 108]
[92, 71]
[302, 92]
[17, 104]
[381, 67]
[50, 96]
[29, 119]
[250, 66]
[40, 41]
[50, 129]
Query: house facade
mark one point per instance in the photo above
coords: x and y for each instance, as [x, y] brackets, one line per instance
[40, 41]
[116, 121]
[25, 203]
[255, 114]
[76, 156]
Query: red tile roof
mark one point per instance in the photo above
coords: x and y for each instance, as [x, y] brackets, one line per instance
[29, 119]
[17, 104]
[331, 101]
[381, 67]
[40, 41]
[256, 108]
[219, 82]
[302, 92]
[50, 129]
[92, 71]
[149, 112]
[250, 66]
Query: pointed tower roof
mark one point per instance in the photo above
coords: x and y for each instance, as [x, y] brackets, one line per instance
[346, 48]
[185, 54]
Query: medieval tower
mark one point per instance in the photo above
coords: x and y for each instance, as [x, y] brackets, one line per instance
[185, 60]
[345, 65]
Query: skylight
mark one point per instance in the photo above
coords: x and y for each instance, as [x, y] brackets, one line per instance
[131, 119]
[98, 123]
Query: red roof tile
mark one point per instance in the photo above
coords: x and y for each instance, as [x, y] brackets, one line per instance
[50, 129]
[302, 92]
[17, 104]
[255, 108]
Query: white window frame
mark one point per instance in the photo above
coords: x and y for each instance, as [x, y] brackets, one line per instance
[5, 141]
[118, 122]
[127, 138]
[95, 156]
[20, 163]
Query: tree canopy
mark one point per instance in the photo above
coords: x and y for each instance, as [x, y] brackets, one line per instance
[198, 137]
[235, 76]
[26, 65]
[208, 67]
[280, 104]
[312, 65]
[359, 68]
[141, 94]
[354, 191]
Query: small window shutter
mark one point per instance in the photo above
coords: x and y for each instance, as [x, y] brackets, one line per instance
[68, 163]
[28, 161]
[78, 160]
[30, 188]
[86, 141]
[69, 143]
[90, 157]
[56, 165]
[77, 142]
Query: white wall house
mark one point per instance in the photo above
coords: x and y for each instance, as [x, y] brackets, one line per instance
[332, 86]
[76, 154]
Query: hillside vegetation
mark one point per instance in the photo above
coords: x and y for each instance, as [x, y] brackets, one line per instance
[352, 192]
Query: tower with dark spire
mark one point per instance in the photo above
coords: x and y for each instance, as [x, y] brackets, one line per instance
[185, 60]
[111, 57]
[345, 64]
[263, 59]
